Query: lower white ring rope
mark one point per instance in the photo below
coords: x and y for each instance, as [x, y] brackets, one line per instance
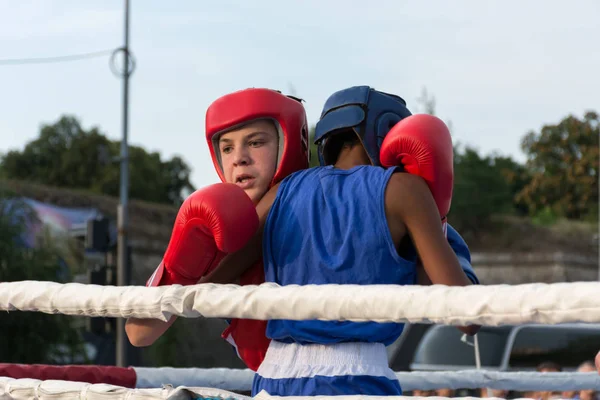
[241, 379]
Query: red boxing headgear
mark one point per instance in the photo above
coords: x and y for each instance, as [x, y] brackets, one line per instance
[236, 109]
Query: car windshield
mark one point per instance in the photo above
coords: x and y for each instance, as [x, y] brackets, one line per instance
[569, 347]
[441, 347]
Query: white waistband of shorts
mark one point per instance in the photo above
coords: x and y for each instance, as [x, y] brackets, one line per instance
[293, 360]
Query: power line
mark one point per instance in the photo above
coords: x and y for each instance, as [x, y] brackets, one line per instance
[46, 60]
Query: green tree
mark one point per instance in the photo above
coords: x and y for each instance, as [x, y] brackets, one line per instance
[30, 337]
[563, 161]
[517, 177]
[66, 155]
[480, 191]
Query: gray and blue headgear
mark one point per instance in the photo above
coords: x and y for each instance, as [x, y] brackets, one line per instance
[370, 113]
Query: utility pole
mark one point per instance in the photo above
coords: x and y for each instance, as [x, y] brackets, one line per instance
[123, 267]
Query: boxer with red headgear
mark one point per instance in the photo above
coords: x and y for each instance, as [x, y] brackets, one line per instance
[256, 138]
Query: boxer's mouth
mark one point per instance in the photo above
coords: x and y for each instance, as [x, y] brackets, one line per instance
[244, 181]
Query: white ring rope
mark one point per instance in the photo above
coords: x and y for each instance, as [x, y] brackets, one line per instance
[65, 390]
[518, 381]
[241, 379]
[221, 378]
[486, 305]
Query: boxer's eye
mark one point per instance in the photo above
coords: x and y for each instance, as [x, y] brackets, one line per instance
[226, 149]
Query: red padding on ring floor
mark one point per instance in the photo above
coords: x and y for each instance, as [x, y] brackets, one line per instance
[118, 376]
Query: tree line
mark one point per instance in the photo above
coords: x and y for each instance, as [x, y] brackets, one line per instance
[558, 180]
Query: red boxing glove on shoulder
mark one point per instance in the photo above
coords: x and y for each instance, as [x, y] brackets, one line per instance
[422, 145]
[211, 222]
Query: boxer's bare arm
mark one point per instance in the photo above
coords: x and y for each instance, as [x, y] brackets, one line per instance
[144, 332]
[409, 203]
[422, 277]
[235, 264]
[410, 209]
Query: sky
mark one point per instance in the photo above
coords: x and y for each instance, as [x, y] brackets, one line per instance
[497, 69]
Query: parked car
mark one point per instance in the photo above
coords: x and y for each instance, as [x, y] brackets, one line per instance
[507, 348]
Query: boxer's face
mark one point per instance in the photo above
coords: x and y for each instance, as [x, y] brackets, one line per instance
[249, 157]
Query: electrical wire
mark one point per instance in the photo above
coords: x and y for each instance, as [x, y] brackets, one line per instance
[47, 60]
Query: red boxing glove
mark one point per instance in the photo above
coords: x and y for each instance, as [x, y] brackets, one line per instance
[212, 221]
[422, 145]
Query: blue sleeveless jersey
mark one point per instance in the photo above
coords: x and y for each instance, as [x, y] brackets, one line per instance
[328, 225]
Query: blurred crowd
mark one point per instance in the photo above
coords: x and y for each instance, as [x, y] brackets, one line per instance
[587, 366]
